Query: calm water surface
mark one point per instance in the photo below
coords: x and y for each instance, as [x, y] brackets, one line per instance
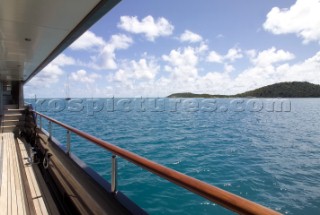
[272, 158]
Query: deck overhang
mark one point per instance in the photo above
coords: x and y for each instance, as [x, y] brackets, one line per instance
[33, 32]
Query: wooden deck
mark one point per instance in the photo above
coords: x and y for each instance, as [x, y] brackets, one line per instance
[20, 192]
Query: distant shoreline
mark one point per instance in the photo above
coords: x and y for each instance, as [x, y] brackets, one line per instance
[278, 90]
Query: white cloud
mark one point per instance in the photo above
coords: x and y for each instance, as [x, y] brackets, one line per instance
[119, 41]
[135, 72]
[228, 68]
[190, 37]
[120, 76]
[63, 60]
[144, 70]
[264, 72]
[182, 62]
[51, 73]
[82, 76]
[260, 75]
[88, 41]
[232, 55]
[302, 19]
[305, 71]
[202, 48]
[268, 67]
[271, 56]
[214, 83]
[251, 53]
[104, 52]
[148, 26]
[142, 78]
[214, 57]
[106, 59]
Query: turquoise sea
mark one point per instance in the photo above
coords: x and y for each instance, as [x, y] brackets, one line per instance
[268, 156]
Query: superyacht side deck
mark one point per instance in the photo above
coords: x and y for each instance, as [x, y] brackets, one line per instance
[28, 186]
[20, 190]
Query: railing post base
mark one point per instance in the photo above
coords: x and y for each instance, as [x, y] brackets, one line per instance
[114, 174]
[68, 142]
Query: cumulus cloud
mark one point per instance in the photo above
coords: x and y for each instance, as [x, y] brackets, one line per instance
[182, 62]
[148, 26]
[232, 55]
[214, 83]
[251, 53]
[51, 73]
[302, 19]
[104, 51]
[88, 41]
[267, 67]
[191, 37]
[144, 70]
[271, 56]
[133, 72]
[63, 60]
[215, 57]
[259, 76]
[106, 58]
[84, 77]
[119, 41]
[228, 68]
[183, 65]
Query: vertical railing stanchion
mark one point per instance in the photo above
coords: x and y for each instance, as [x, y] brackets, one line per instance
[114, 174]
[50, 129]
[40, 118]
[68, 142]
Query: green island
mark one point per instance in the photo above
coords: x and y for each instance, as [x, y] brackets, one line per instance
[279, 90]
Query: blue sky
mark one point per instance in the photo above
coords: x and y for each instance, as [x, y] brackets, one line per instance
[155, 48]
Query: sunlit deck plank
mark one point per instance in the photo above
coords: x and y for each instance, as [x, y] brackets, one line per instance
[13, 177]
[13, 193]
[9, 182]
[4, 177]
[12, 199]
[36, 194]
[20, 200]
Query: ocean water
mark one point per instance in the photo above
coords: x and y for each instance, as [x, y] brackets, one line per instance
[252, 148]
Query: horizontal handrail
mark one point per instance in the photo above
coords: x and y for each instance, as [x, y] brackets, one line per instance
[210, 192]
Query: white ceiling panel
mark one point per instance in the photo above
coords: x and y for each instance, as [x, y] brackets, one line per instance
[33, 32]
